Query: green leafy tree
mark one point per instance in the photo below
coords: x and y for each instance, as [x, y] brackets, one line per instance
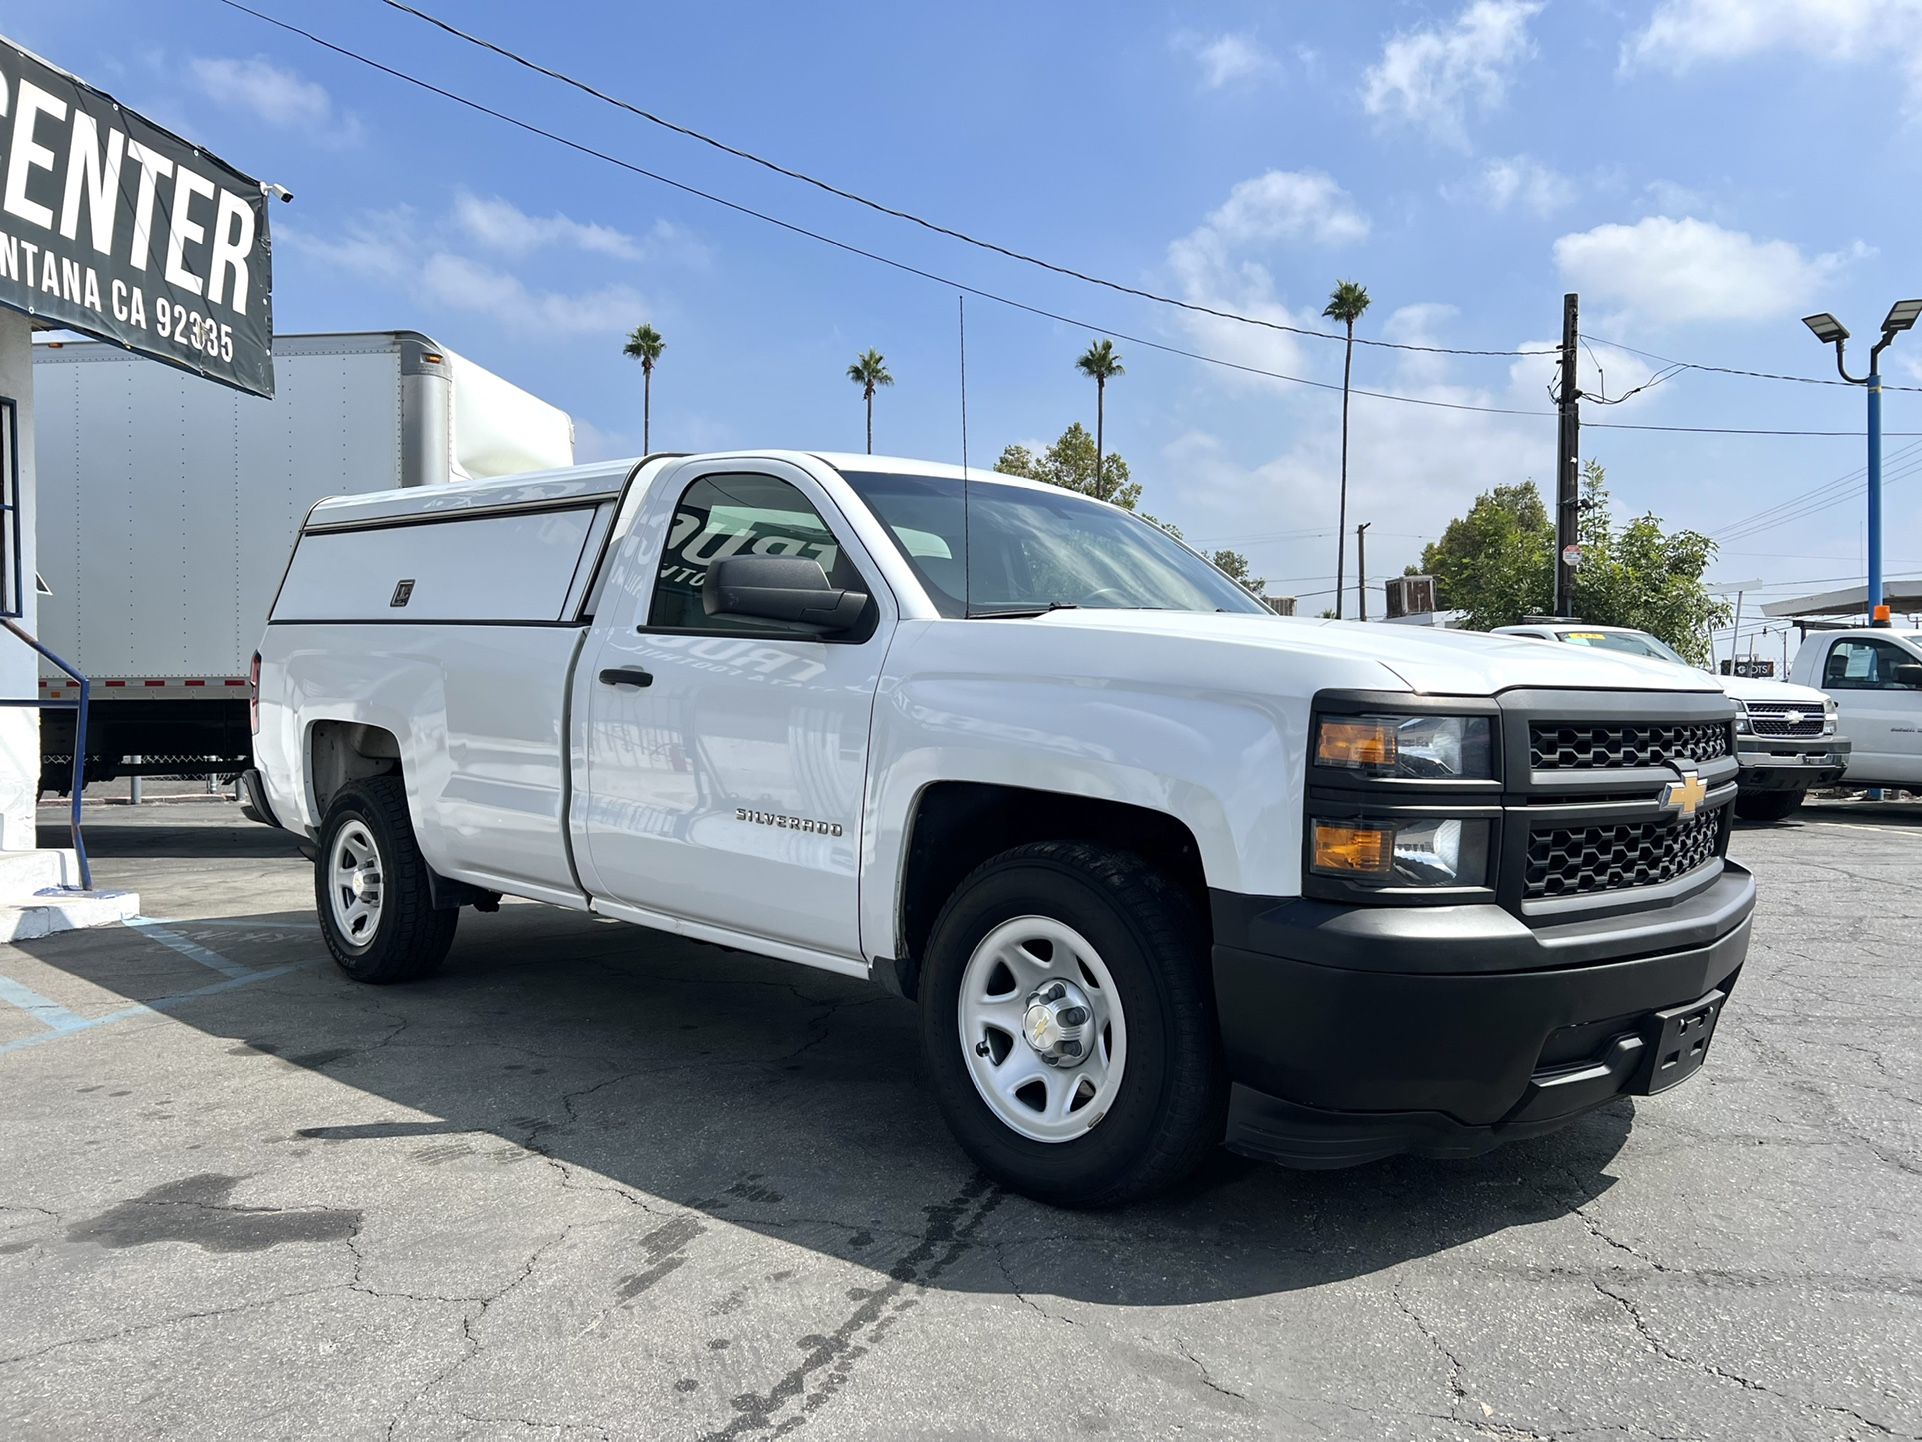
[1075, 463]
[870, 372]
[1235, 566]
[645, 345]
[1638, 575]
[1101, 364]
[1496, 564]
[1345, 304]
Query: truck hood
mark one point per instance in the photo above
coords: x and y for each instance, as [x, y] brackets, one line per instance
[1425, 659]
[1755, 688]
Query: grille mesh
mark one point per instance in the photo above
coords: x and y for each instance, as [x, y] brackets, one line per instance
[1771, 718]
[1608, 745]
[1575, 861]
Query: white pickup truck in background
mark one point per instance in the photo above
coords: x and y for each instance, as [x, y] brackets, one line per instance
[1874, 677]
[1787, 738]
[1159, 867]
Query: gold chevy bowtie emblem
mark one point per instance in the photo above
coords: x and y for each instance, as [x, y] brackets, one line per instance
[1682, 797]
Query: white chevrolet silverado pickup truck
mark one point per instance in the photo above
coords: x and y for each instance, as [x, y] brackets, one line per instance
[1161, 869]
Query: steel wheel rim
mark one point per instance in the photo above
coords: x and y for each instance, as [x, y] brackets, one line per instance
[1013, 962]
[354, 886]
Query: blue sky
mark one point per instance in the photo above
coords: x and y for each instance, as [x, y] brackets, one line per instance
[1704, 172]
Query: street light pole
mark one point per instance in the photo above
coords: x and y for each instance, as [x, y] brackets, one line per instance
[1830, 331]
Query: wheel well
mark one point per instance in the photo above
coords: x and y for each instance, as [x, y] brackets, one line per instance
[344, 751]
[957, 825]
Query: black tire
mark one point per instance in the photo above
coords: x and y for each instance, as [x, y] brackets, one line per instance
[1171, 1103]
[1768, 805]
[408, 939]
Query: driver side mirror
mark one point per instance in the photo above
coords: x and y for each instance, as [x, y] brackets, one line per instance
[794, 589]
[1908, 673]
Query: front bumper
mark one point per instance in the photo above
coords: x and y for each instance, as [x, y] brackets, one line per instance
[1777, 763]
[1356, 1032]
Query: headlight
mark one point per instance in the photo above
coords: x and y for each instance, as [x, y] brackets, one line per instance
[1427, 747]
[1430, 851]
[1741, 717]
[1830, 712]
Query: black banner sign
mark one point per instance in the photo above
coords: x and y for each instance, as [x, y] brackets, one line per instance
[112, 226]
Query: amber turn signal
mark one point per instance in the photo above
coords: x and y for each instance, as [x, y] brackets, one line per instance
[1354, 850]
[1360, 741]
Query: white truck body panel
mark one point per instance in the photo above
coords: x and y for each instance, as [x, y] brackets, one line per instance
[632, 800]
[166, 504]
[1882, 716]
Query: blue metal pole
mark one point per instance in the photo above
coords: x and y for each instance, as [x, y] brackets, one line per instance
[1875, 490]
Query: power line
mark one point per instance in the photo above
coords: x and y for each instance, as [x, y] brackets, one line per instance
[898, 214]
[1737, 371]
[951, 284]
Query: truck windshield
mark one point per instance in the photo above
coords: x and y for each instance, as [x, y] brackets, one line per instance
[1019, 551]
[1627, 643]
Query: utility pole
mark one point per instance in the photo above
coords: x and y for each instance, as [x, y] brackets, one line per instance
[1361, 569]
[1567, 461]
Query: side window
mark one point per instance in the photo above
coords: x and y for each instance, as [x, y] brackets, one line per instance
[737, 515]
[1865, 664]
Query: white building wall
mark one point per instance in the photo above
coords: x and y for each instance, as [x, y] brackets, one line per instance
[19, 667]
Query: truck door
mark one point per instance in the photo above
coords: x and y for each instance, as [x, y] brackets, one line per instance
[725, 760]
[1873, 681]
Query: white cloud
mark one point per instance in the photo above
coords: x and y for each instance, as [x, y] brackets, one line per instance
[1225, 59]
[1519, 180]
[273, 94]
[1665, 272]
[1433, 77]
[499, 225]
[1681, 34]
[381, 245]
[1286, 205]
[1212, 265]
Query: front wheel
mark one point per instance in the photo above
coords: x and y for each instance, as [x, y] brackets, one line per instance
[1068, 1025]
[1768, 805]
[370, 887]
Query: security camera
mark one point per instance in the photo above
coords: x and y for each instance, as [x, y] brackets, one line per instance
[282, 191]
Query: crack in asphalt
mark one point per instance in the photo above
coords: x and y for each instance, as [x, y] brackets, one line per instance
[1633, 1312]
[949, 1233]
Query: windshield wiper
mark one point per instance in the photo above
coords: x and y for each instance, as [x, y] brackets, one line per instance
[1015, 613]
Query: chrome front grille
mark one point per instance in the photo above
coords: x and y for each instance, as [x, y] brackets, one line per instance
[1610, 745]
[1782, 718]
[1581, 860]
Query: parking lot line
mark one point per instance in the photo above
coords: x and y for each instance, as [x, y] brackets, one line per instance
[192, 950]
[49, 1014]
[72, 1023]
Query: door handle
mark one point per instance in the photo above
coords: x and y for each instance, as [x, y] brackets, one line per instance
[626, 676]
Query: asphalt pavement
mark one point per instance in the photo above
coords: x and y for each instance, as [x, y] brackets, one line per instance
[592, 1180]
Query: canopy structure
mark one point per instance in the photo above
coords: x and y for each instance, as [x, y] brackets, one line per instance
[1900, 594]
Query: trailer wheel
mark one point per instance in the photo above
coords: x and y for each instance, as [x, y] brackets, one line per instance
[370, 887]
[1768, 805]
[1068, 1025]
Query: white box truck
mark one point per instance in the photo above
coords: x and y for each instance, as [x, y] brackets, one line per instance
[1160, 867]
[166, 505]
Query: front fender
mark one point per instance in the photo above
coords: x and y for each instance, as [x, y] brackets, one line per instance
[1226, 766]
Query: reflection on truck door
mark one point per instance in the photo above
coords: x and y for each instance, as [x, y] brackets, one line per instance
[1880, 713]
[738, 768]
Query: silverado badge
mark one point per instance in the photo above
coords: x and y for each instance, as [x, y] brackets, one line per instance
[1680, 798]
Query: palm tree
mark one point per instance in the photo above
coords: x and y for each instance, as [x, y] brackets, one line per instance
[645, 345]
[1100, 363]
[1346, 304]
[867, 372]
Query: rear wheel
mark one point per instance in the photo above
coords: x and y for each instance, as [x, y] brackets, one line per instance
[1768, 805]
[1068, 1025]
[370, 887]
